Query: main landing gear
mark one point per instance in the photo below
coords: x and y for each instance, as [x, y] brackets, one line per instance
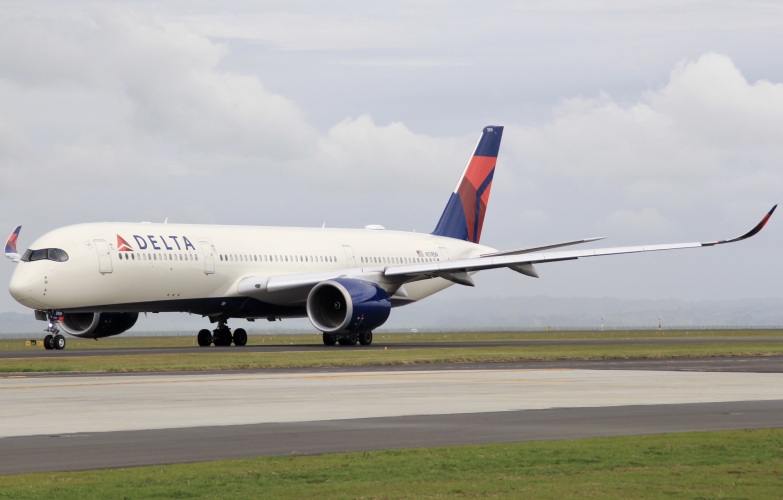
[222, 336]
[363, 338]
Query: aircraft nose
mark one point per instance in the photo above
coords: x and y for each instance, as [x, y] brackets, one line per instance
[21, 286]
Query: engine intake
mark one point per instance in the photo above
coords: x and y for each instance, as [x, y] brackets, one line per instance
[347, 305]
[97, 325]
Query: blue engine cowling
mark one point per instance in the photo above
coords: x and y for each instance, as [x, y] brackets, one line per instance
[347, 305]
[97, 325]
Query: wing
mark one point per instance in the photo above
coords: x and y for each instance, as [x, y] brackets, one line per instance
[294, 287]
[457, 270]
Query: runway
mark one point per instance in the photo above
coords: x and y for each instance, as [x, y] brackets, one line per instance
[39, 352]
[51, 423]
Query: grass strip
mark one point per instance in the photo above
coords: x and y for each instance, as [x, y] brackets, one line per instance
[726, 464]
[183, 340]
[236, 359]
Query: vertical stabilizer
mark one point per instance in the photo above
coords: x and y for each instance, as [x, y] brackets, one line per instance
[10, 245]
[463, 217]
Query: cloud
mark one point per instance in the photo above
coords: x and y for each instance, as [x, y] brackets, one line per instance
[130, 91]
[711, 100]
[358, 150]
[707, 138]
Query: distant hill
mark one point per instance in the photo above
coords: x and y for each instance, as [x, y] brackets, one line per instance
[442, 313]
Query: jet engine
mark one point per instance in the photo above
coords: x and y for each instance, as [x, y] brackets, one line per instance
[347, 305]
[97, 325]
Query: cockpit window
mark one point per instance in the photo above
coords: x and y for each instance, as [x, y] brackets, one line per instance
[55, 254]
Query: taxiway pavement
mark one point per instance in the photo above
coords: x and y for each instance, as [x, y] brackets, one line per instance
[80, 422]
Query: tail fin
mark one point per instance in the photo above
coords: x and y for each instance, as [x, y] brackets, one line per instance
[10, 245]
[463, 217]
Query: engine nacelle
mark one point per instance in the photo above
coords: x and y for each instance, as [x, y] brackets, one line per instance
[347, 305]
[97, 325]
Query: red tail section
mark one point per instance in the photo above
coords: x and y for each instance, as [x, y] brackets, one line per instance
[463, 217]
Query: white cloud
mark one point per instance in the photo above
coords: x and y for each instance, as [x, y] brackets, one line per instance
[706, 137]
[359, 151]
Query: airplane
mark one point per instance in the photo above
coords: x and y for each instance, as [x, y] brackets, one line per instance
[92, 280]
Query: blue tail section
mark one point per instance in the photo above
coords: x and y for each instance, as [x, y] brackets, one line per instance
[10, 245]
[463, 217]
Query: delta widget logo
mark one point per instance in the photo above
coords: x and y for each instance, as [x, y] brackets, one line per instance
[122, 245]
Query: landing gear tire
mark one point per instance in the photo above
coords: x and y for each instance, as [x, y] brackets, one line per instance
[240, 337]
[222, 337]
[330, 339]
[365, 338]
[49, 342]
[204, 338]
[348, 339]
[59, 342]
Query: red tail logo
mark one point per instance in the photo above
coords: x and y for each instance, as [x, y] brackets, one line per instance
[122, 245]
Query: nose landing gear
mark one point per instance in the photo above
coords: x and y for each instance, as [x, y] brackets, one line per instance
[54, 340]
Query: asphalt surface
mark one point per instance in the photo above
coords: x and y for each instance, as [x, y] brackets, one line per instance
[85, 451]
[544, 407]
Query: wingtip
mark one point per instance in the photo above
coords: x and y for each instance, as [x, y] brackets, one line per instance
[750, 233]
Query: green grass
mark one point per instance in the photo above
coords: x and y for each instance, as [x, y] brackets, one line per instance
[185, 340]
[731, 464]
[237, 358]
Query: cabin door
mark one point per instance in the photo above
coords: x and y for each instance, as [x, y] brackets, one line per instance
[349, 256]
[209, 256]
[104, 256]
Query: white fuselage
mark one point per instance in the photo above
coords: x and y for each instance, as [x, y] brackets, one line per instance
[148, 267]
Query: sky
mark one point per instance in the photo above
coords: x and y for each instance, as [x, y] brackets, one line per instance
[649, 122]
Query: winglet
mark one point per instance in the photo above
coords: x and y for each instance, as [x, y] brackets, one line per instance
[10, 245]
[747, 235]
